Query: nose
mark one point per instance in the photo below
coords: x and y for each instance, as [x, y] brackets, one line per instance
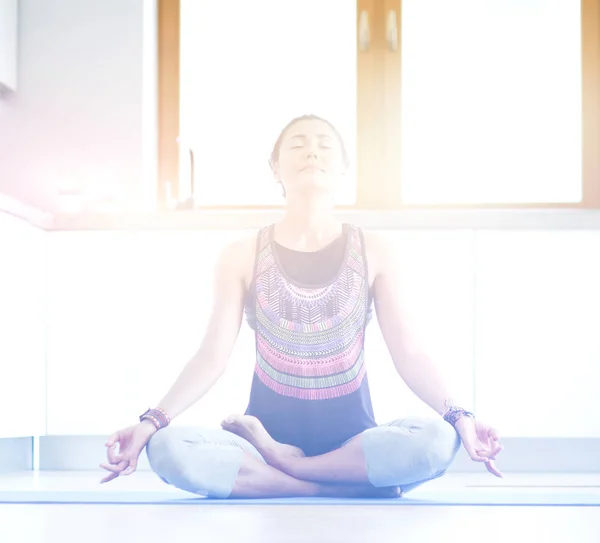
[312, 150]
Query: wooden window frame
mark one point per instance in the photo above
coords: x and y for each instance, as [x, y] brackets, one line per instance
[378, 115]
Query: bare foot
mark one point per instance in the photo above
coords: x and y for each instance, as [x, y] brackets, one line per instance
[250, 428]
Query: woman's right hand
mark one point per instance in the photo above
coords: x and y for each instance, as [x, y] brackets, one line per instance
[132, 441]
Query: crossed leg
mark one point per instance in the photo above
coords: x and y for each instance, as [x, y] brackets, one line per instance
[404, 453]
[220, 464]
[243, 461]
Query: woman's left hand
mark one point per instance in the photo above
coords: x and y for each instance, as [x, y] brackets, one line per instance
[480, 441]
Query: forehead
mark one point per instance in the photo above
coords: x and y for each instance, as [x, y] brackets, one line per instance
[310, 128]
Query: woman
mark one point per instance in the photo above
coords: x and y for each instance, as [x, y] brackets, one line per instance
[307, 285]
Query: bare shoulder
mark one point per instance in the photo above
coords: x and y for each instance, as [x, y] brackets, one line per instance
[239, 248]
[380, 252]
[375, 240]
[237, 257]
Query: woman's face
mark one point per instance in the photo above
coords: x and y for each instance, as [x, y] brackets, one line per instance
[310, 158]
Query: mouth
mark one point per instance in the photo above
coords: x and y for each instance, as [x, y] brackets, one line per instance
[312, 167]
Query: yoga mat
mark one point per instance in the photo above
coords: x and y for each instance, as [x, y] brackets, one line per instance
[462, 497]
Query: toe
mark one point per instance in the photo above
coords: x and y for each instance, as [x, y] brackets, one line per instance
[231, 419]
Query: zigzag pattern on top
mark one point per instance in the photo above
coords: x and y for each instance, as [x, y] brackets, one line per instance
[316, 333]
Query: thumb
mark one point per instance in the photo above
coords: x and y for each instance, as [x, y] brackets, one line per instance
[131, 468]
[112, 439]
[475, 456]
[479, 458]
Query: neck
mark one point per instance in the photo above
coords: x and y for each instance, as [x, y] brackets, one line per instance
[308, 223]
[309, 216]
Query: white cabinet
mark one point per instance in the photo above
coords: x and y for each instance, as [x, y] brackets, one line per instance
[510, 318]
[8, 45]
[22, 328]
[437, 287]
[538, 329]
[128, 309]
[126, 312]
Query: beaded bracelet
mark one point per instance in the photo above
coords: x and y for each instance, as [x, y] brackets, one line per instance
[157, 416]
[452, 414]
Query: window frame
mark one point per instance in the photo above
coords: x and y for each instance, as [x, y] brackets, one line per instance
[379, 182]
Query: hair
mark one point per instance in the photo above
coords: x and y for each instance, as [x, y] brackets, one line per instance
[276, 148]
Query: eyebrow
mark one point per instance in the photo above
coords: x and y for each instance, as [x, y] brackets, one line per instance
[304, 136]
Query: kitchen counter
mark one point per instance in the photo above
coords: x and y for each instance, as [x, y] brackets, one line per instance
[32, 215]
[514, 219]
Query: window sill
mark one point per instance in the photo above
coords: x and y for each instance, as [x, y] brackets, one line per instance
[521, 219]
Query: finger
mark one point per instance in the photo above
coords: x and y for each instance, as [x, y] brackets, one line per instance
[112, 439]
[109, 477]
[497, 450]
[484, 438]
[493, 433]
[475, 454]
[491, 454]
[130, 469]
[478, 456]
[113, 457]
[115, 469]
[491, 467]
[492, 450]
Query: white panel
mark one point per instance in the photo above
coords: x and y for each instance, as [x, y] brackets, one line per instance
[126, 312]
[538, 323]
[22, 328]
[8, 44]
[439, 294]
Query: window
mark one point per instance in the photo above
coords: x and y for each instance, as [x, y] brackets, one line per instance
[491, 101]
[245, 73]
[446, 104]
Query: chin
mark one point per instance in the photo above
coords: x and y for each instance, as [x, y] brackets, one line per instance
[315, 191]
[317, 184]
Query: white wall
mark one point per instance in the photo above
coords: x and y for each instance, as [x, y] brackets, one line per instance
[510, 317]
[538, 328]
[128, 309]
[78, 116]
[126, 312]
[96, 326]
[22, 328]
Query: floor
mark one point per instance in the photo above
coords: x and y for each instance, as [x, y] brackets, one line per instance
[281, 523]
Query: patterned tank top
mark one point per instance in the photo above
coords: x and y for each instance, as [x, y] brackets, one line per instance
[310, 386]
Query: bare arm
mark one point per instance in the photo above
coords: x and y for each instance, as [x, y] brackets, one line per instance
[413, 363]
[208, 364]
[410, 358]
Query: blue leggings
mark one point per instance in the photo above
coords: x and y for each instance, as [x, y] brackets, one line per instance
[406, 453]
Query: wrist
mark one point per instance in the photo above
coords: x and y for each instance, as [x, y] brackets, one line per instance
[158, 417]
[463, 419]
[149, 426]
[454, 414]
